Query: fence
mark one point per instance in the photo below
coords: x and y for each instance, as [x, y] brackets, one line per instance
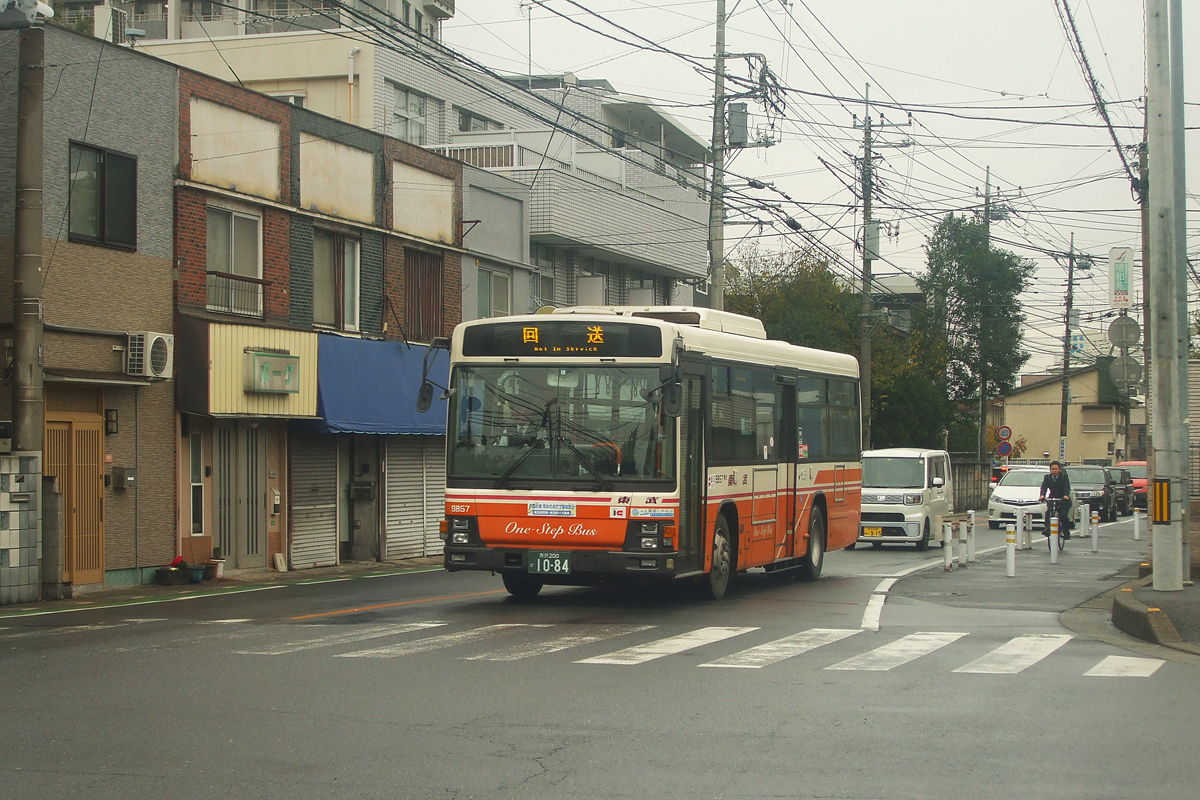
[971, 480]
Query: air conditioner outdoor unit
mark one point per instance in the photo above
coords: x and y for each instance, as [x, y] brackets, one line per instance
[150, 355]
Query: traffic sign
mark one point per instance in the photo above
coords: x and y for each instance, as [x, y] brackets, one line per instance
[1125, 371]
[1120, 276]
[1003, 433]
[1004, 448]
[1124, 332]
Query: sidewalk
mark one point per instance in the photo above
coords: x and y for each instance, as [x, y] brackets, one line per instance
[1107, 581]
[237, 581]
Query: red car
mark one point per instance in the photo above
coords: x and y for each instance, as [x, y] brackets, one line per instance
[1137, 471]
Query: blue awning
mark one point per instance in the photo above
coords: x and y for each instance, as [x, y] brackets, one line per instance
[366, 386]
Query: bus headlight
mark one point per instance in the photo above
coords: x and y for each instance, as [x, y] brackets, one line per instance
[649, 542]
[460, 537]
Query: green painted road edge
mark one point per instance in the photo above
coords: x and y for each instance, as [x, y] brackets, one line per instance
[197, 595]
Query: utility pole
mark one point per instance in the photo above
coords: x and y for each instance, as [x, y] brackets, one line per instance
[987, 240]
[870, 246]
[716, 194]
[1168, 299]
[27, 389]
[1066, 381]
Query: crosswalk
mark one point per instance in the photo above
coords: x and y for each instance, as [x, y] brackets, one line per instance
[838, 650]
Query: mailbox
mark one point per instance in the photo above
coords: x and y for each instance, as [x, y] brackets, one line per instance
[124, 478]
[362, 490]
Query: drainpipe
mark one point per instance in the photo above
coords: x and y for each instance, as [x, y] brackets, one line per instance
[350, 83]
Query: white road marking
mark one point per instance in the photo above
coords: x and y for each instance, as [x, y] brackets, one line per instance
[642, 653]
[344, 637]
[437, 642]
[1125, 667]
[140, 620]
[60, 631]
[1017, 654]
[873, 611]
[594, 633]
[237, 621]
[764, 655]
[899, 652]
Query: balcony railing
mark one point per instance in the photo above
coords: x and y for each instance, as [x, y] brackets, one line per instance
[235, 294]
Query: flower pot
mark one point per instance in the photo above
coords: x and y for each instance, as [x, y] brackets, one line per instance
[196, 573]
[168, 576]
[220, 563]
[210, 571]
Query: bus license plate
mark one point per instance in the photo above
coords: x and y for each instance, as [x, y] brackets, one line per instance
[872, 531]
[550, 563]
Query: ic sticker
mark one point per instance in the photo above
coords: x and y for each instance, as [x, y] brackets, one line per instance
[616, 512]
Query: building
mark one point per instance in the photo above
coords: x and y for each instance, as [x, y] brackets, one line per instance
[615, 205]
[110, 145]
[1097, 416]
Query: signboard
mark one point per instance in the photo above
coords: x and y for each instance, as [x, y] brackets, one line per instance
[1004, 448]
[1124, 332]
[272, 373]
[1125, 371]
[1004, 433]
[1160, 504]
[1120, 276]
[1062, 448]
[564, 339]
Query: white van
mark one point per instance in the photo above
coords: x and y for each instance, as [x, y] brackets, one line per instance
[906, 493]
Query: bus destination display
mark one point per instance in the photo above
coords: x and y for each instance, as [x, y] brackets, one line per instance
[563, 339]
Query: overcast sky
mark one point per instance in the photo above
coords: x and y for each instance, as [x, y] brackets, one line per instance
[988, 84]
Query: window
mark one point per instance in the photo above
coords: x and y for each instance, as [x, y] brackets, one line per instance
[469, 121]
[845, 441]
[234, 265]
[335, 280]
[744, 419]
[493, 294]
[197, 480]
[422, 294]
[408, 115]
[405, 10]
[810, 393]
[419, 21]
[102, 197]
[295, 99]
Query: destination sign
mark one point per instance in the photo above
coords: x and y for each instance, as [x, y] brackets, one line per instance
[563, 339]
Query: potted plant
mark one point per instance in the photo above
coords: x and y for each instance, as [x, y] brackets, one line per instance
[219, 561]
[175, 574]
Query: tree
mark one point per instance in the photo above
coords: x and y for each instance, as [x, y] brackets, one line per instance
[975, 292]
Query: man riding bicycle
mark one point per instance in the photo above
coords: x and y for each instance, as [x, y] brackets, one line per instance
[1057, 486]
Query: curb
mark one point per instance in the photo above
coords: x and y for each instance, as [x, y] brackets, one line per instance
[1149, 624]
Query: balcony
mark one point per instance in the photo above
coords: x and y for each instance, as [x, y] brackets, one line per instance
[235, 294]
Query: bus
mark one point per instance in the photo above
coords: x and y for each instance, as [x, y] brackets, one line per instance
[587, 445]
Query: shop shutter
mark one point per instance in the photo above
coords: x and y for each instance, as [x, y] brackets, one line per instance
[405, 515]
[314, 500]
[435, 492]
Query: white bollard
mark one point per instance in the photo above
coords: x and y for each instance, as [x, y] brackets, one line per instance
[1053, 538]
[1095, 531]
[1083, 524]
[1137, 525]
[1020, 529]
[1010, 551]
[962, 545]
[971, 538]
[947, 547]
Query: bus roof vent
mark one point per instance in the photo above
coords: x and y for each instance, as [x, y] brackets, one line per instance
[705, 318]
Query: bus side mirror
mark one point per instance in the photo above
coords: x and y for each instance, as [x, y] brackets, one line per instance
[424, 397]
[673, 400]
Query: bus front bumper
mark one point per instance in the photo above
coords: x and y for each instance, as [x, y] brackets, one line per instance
[586, 566]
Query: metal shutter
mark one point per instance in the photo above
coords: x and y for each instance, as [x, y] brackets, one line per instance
[435, 492]
[314, 500]
[405, 500]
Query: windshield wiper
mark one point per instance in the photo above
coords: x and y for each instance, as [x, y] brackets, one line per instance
[502, 481]
[601, 481]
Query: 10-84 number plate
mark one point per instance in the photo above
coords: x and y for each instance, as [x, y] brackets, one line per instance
[546, 563]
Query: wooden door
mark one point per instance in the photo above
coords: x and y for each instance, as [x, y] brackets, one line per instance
[75, 455]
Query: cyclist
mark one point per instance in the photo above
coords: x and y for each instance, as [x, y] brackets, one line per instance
[1057, 486]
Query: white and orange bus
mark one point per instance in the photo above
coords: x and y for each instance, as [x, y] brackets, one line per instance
[664, 443]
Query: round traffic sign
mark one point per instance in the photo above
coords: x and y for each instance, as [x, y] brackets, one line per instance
[1125, 371]
[1004, 448]
[1124, 332]
[1004, 433]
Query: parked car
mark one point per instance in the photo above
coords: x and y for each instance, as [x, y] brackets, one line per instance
[1017, 490]
[1123, 486]
[906, 493]
[1141, 475]
[1094, 489]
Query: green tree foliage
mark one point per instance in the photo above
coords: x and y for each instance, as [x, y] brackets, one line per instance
[800, 300]
[974, 290]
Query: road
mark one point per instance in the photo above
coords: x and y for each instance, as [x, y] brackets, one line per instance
[431, 685]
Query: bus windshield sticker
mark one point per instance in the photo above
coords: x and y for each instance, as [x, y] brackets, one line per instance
[551, 510]
[650, 512]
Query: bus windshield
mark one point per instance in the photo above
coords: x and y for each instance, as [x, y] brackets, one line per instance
[893, 473]
[594, 426]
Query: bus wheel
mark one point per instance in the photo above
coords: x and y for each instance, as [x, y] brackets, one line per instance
[924, 543]
[814, 559]
[717, 580]
[521, 586]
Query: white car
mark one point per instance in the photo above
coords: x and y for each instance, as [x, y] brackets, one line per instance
[1017, 490]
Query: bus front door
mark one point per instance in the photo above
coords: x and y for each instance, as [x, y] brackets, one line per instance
[692, 478]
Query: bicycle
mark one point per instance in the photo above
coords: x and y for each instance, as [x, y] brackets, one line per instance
[1054, 510]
